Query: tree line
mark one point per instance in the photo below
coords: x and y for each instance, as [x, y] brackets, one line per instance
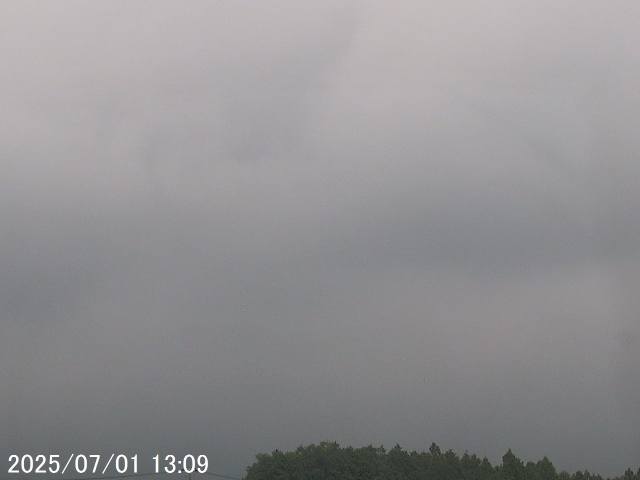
[330, 461]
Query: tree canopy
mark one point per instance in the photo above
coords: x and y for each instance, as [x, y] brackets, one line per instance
[330, 461]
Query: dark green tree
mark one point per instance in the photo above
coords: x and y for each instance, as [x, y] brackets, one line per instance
[329, 461]
[512, 467]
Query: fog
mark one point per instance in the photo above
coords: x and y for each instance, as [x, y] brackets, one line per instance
[232, 227]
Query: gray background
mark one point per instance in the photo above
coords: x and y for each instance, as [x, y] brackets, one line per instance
[231, 227]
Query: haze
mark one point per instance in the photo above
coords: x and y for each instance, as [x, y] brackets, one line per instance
[231, 227]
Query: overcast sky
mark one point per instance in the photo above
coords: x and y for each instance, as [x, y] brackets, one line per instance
[231, 227]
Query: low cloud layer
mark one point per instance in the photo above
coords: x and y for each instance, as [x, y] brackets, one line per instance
[235, 228]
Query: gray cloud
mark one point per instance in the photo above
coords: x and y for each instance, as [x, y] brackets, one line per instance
[230, 229]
